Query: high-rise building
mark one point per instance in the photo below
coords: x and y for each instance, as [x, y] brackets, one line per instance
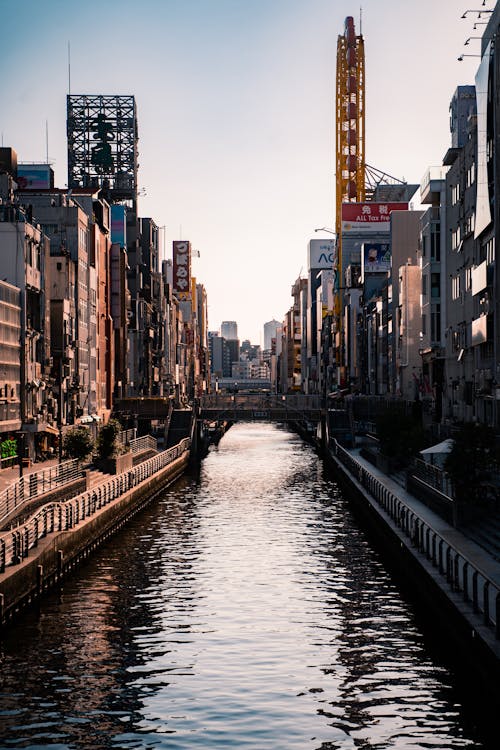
[229, 330]
[272, 330]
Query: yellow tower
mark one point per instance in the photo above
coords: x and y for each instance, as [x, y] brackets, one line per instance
[350, 155]
[350, 120]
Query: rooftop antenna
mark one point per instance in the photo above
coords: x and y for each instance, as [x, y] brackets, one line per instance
[47, 140]
[69, 68]
[360, 20]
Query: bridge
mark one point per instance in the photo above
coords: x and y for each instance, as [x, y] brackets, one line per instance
[224, 407]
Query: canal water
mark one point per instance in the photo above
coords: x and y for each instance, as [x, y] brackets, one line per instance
[244, 608]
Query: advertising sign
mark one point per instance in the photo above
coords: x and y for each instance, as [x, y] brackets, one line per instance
[182, 269]
[119, 224]
[321, 254]
[34, 176]
[375, 258]
[369, 217]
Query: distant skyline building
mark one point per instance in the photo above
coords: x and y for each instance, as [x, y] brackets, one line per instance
[229, 330]
[272, 329]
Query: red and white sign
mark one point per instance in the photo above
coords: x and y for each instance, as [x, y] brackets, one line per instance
[369, 217]
[182, 269]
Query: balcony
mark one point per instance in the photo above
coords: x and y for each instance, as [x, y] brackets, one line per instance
[431, 184]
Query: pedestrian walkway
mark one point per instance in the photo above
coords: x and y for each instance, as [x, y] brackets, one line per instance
[480, 557]
[11, 475]
[467, 575]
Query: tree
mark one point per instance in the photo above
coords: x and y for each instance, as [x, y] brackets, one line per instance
[401, 435]
[107, 446]
[78, 443]
[473, 460]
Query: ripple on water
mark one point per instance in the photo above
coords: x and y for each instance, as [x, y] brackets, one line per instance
[244, 609]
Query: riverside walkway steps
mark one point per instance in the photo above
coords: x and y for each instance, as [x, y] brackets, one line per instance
[21, 493]
[468, 576]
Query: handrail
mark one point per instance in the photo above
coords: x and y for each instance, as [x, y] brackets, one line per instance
[140, 444]
[300, 402]
[126, 436]
[463, 576]
[434, 476]
[37, 483]
[66, 514]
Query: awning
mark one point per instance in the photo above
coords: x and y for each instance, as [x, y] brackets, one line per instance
[444, 447]
[436, 454]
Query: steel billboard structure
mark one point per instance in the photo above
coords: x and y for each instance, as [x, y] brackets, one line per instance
[102, 145]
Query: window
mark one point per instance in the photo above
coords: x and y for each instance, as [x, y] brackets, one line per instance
[455, 194]
[436, 323]
[471, 175]
[469, 224]
[468, 279]
[489, 251]
[435, 285]
[436, 242]
[82, 239]
[455, 287]
[455, 239]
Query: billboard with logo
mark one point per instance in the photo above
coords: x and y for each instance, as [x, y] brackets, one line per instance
[321, 254]
[369, 217]
[35, 176]
[375, 258]
[182, 269]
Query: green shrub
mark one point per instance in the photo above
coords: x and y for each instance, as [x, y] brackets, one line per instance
[401, 435]
[8, 448]
[107, 445]
[473, 460]
[78, 442]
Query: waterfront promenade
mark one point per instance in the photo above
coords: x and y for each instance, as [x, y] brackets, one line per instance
[464, 572]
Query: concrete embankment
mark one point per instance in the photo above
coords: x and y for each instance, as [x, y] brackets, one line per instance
[456, 582]
[57, 553]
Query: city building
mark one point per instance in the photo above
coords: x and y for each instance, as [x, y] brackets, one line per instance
[229, 330]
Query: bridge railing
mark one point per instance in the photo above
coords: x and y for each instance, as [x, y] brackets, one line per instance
[461, 574]
[66, 515]
[297, 402]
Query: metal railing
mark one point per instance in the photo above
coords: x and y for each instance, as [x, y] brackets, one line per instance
[9, 462]
[126, 436]
[144, 443]
[461, 574]
[298, 402]
[37, 483]
[67, 514]
[434, 476]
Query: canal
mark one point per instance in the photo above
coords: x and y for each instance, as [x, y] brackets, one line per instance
[244, 608]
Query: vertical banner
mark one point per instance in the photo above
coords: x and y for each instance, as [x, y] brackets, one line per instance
[483, 212]
[182, 269]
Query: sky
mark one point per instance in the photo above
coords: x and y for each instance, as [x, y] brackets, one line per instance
[236, 115]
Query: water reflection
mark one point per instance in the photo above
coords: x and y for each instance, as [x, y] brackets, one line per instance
[244, 609]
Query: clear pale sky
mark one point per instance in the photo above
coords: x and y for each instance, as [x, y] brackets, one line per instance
[236, 115]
